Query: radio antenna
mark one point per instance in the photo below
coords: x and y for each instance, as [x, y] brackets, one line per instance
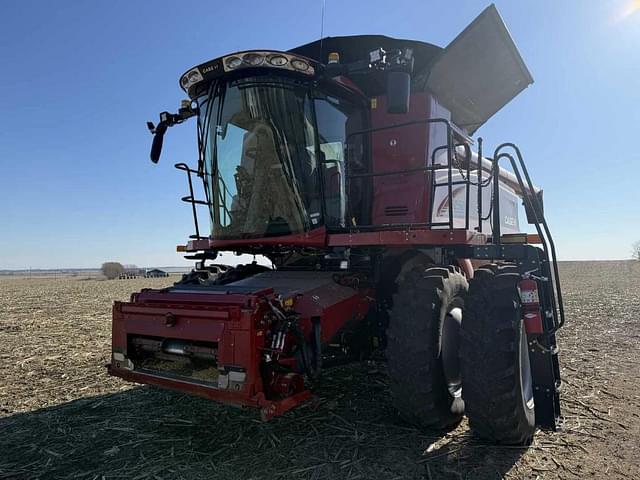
[322, 30]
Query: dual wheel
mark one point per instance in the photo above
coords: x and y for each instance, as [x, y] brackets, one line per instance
[457, 347]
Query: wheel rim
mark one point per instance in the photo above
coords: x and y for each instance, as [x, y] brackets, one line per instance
[450, 345]
[526, 381]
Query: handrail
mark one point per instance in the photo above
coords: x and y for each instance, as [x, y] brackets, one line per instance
[540, 223]
[531, 200]
[464, 137]
[479, 180]
[207, 202]
[190, 198]
[453, 132]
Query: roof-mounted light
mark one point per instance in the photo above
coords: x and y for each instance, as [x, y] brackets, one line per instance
[190, 78]
[376, 55]
[278, 60]
[232, 62]
[253, 59]
[299, 64]
[267, 59]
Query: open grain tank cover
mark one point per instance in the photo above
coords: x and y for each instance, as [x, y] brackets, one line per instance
[479, 72]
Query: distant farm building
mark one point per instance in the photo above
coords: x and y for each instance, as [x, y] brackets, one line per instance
[131, 271]
[155, 273]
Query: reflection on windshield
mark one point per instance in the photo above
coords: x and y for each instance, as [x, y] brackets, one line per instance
[261, 156]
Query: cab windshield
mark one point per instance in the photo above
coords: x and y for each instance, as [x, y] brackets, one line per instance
[269, 143]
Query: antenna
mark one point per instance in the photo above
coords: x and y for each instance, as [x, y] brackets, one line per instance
[322, 30]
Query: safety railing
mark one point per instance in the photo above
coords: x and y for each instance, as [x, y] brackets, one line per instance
[534, 206]
[216, 209]
[193, 201]
[219, 213]
[455, 138]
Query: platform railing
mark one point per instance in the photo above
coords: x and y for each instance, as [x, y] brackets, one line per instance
[534, 206]
[191, 198]
[455, 138]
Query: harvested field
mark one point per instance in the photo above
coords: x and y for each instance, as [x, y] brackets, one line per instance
[62, 417]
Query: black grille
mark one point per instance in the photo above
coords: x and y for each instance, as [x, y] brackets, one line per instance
[396, 211]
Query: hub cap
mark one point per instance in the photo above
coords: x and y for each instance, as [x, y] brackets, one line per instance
[450, 348]
[526, 382]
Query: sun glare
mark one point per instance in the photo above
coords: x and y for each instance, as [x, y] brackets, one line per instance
[629, 8]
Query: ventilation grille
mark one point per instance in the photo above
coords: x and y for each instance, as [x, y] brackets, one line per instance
[396, 211]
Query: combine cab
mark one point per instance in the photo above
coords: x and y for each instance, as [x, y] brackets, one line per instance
[348, 163]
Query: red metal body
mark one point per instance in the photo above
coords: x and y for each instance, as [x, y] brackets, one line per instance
[233, 319]
[531, 313]
[339, 162]
[250, 340]
[390, 237]
[404, 198]
[312, 238]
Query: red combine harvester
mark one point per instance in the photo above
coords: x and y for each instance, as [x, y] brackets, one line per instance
[348, 163]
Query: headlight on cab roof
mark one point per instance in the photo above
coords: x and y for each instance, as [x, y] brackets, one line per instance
[253, 59]
[299, 64]
[267, 59]
[190, 78]
[232, 62]
[278, 60]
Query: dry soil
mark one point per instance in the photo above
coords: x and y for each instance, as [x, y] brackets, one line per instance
[62, 417]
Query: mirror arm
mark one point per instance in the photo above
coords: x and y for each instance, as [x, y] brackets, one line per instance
[168, 120]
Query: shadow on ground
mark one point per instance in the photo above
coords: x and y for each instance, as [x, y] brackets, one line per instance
[349, 431]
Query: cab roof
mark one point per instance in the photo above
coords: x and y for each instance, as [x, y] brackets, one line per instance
[354, 48]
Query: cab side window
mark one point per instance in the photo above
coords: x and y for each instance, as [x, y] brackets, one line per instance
[335, 120]
[332, 125]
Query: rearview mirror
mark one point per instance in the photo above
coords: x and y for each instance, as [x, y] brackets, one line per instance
[534, 213]
[156, 145]
[398, 91]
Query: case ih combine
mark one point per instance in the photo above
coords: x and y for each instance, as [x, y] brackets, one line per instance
[348, 163]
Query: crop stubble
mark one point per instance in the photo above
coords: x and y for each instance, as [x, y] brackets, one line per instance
[61, 416]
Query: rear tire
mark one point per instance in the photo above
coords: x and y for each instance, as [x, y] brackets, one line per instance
[496, 373]
[422, 349]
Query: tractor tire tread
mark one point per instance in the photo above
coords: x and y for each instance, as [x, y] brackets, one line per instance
[417, 384]
[489, 354]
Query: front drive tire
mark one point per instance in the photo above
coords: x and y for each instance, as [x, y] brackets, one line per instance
[496, 374]
[422, 349]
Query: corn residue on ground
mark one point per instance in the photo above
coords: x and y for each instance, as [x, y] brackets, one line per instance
[62, 417]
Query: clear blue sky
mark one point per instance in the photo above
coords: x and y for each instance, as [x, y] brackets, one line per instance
[78, 80]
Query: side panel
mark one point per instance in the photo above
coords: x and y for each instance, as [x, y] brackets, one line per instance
[404, 198]
[316, 294]
[509, 201]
